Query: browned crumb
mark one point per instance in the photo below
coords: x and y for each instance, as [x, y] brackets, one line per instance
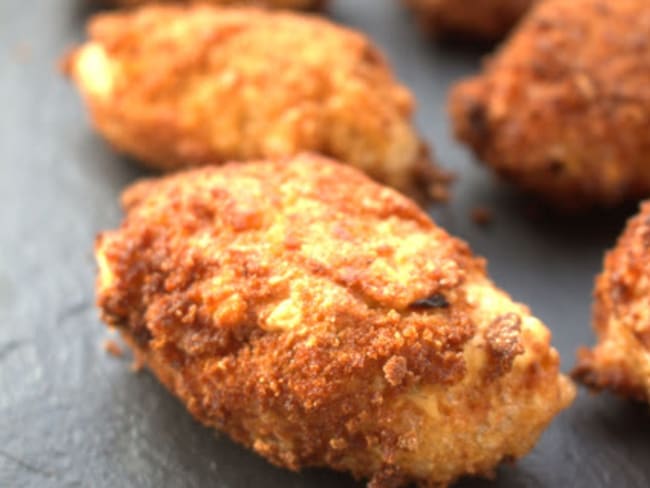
[139, 361]
[482, 216]
[113, 348]
[563, 108]
[177, 86]
[503, 343]
[620, 361]
[324, 320]
[395, 370]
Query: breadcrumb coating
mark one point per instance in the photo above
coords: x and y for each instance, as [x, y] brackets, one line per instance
[285, 4]
[487, 20]
[324, 320]
[178, 86]
[563, 109]
[621, 359]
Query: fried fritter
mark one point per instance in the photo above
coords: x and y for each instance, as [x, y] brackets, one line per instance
[621, 359]
[183, 86]
[293, 4]
[487, 20]
[563, 110]
[324, 320]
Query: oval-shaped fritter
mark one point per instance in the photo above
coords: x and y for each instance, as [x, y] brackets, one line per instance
[487, 20]
[621, 359]
[181, 86]
[324, 320]
[563, 109]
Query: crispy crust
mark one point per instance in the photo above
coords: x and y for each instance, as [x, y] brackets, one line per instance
[182, 86]
[563, 109]
[324, 320]
[486, 20]
[621, 359]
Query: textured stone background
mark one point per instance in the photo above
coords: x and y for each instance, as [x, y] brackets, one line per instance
[72, 415]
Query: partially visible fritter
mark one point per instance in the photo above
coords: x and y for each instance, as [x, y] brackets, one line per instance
[324, 320]
[621, 359]
[287, 4]
[563, 109]
[180, 86]
[487, 20]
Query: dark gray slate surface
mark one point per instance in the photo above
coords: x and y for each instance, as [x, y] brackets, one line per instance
[71, 415]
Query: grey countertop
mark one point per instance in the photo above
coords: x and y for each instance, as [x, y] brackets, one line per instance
[72, 415]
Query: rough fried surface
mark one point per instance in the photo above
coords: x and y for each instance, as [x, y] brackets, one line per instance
[294, 4]
[621, 359]
[487, 20]
[324, 320]
[180, 86]
[563, 110]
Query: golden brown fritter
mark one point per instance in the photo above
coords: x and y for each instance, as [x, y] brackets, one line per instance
[184, 86]
[621, 359]
[563, 110]
[288, 4]
[324, 320]
[487, 20]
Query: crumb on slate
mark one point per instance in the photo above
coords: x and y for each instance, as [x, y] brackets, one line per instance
[113, 348]
[482, 216]
[138, 363]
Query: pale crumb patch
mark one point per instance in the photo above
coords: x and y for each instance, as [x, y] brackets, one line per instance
[93, 70]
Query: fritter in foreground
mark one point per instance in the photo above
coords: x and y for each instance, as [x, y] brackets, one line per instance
[184, 86]
[563, 110]
[287, 4]
[324, 320]
[484, 20]
[621, 359]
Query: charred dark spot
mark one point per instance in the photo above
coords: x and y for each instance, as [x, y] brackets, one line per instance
[142, 336]
[621, 292]
[436, 300]
[477, 119]
[509, 459]
[371, 56]
[555, 166]
[643, 336]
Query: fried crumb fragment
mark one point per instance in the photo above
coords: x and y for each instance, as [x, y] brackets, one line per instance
[503, 343]
[437, 300]
[482, 216]
[113, 348]
[395, 370]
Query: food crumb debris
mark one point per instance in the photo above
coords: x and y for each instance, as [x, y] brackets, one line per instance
[395, 370]
[482, 216]
[113, 348]
[138, 363]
